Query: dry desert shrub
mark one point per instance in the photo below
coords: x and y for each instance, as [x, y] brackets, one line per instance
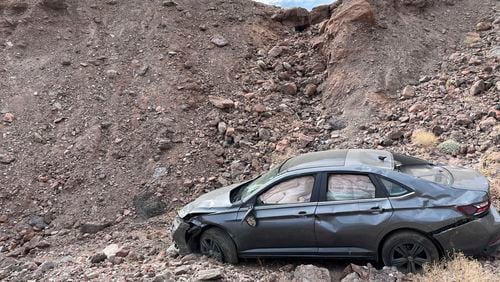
[459, 268]
[424, 138]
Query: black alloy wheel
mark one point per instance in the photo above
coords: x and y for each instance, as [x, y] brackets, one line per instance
[211, 248]
[410, 257]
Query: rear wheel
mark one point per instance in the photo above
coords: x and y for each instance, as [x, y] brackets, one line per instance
[409, 251]
[216, 244]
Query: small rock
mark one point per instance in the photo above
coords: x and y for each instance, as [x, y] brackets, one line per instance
[289, 88]
[417, 107]
[264, 134]
[8, 117]
[111, 250]
[219, 41]
[66, 62]
[3, 219]
[183, 269]
[259, 108]
[164, 144]
[6, 158]
[275, 51]
[262, 65]
[310, 89]
[172, 251]
[97, 258]
[37, 222]
[169, 3]
[462, 119]
[222, 127]
[483, 26]
[230, 131]
[395, 134]
[487, 123]
[90, 228]
[209, 274]
[112, 73]
[408, 92]
[424, 79]
[166, 276]
[143, 70]
[220, 102]
[477, 87]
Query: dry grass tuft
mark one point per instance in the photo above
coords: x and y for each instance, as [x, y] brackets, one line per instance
[457, 269]
[424, 138]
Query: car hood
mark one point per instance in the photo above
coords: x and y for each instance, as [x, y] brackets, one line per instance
[466, 178]
[219, 198]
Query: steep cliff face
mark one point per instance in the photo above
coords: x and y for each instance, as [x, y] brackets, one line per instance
[375, 48]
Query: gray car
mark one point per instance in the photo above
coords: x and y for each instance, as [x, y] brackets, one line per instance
[367, 204]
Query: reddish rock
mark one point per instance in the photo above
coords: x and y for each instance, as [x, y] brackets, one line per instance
[8, 117]
[417, 107]
[289, 88]
[310, 89]
[353, 11]
[220, 102]
[319, 14]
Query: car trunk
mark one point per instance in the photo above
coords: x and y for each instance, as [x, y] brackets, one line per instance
[465, 178]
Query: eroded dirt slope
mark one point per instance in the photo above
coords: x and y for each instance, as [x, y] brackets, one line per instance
[102, 101]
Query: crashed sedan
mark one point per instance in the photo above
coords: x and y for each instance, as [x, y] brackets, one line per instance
[367, 204]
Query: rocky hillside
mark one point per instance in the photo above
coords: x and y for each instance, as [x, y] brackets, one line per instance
[117, 111]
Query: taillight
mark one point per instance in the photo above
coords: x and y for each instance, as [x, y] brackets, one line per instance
[475, 209]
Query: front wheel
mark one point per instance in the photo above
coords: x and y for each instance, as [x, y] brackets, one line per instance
[216, 244]
[409, 251]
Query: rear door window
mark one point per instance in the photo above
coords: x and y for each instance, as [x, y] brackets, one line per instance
[342, 187]
[393, 188]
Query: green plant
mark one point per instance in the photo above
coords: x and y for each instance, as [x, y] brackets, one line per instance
[449, 147]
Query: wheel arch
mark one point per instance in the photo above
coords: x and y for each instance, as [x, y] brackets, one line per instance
[194, 239]
[408, 229]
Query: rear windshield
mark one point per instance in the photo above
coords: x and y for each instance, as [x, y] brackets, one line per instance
[428, 172]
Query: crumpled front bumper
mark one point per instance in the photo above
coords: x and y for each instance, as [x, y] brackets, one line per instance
[479, 237]
[179, 231]
[183, 232]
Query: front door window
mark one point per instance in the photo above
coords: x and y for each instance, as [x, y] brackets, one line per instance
[297, 190]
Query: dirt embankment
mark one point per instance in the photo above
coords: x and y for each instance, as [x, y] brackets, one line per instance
[113, 111]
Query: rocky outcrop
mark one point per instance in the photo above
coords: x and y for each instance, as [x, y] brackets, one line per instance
[350, 11]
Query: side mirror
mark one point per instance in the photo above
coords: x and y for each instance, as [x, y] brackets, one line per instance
[249, 217]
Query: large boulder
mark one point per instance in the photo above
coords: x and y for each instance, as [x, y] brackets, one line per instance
[319, 14]
[149, 205]
[311, 273]
[298, 18]
[352, 11]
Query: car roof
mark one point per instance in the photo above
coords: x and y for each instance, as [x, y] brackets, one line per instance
[340, 158]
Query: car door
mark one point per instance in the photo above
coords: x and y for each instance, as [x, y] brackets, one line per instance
[283, 216]
[352, 212]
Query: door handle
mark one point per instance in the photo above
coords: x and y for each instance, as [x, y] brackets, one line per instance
[376, 209]
[302, 213]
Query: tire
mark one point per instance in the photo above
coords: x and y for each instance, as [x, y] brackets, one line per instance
[217, 244]
[408, 251]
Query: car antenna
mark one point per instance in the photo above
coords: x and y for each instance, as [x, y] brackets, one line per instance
[382, 158]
